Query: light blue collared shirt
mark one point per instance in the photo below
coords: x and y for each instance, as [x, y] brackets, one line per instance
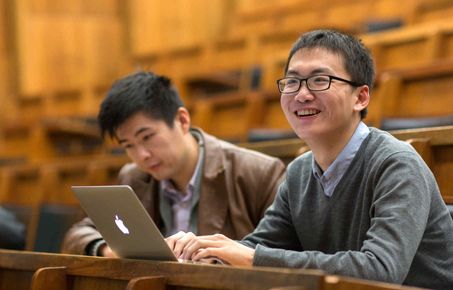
[337, 169]
[178, 209]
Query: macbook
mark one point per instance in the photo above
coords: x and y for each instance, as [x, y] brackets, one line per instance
[123, 222]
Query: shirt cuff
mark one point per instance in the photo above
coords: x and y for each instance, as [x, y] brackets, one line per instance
[269, 257]
[93, 248]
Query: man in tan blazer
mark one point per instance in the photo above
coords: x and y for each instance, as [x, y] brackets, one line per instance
[187, 179]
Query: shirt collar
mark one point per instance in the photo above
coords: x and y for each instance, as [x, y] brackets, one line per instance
[332, 176]
[168, 186]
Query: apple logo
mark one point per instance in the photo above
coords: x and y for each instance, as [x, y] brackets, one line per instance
[120, 224]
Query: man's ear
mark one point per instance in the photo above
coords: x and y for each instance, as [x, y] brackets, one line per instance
[182, 119]
[363, 98]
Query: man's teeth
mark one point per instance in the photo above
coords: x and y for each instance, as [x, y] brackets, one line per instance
[308, 112]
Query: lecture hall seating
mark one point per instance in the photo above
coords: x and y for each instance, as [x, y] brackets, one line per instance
[414, 65]
[416, 92]
[411, 45]
[37, 191]
[185, 58]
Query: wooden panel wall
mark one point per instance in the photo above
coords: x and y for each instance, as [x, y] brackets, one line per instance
[3, 63]
[6, 66]
[157, 26]
[65, 50]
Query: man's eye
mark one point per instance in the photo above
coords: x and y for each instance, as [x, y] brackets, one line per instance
[147, 137]
[320, 80]
[291, 82]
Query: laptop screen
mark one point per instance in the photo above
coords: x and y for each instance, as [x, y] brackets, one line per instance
[123, 222]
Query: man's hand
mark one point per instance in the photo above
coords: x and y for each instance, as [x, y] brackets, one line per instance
[178, 242]
[187, 246]
[106, 251]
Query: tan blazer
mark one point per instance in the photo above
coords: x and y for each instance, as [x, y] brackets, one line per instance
[237, 186]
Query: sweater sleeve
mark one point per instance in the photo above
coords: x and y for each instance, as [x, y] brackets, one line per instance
[276, 229]
[399, 213]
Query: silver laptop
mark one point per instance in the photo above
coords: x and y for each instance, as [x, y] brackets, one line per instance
[123, 222]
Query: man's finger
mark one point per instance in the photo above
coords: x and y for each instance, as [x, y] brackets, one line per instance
[181, 243]
[171, 240]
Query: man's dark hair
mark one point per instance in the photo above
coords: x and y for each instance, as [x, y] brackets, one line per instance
[357, 58]
[143, 92]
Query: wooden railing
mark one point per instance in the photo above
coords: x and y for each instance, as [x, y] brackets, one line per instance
[39, 271]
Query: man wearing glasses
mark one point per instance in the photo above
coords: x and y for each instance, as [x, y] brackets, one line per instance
[361, 203]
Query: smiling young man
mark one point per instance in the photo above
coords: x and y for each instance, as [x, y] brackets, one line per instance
[361, 203]
[187, 179]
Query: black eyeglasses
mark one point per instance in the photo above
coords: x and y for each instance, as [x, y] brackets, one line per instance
[290, 85]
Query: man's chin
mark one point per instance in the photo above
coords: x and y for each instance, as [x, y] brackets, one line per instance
[156, 172]
[308, 132]
[159, 175]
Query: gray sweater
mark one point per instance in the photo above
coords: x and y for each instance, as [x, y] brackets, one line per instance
[386, 220]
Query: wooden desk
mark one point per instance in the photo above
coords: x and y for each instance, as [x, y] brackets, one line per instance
[39, 271]
[83, 272]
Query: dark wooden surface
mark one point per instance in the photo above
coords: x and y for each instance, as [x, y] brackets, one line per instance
[83, 272]
[42, 271]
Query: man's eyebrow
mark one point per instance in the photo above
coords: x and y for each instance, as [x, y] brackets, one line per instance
[292, 72]
[320, 70]
[143, 129]
[313, 72]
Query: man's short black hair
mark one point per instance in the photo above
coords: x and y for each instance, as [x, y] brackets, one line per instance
[357, 58]
[143, 92]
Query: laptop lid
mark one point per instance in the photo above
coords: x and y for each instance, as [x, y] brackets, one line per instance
[123, 222]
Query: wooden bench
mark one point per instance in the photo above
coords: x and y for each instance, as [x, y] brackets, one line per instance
[32, 190]
[229, 116]
[21, 188]
[435, 145]
[424, 11]
[32, 184]
[423, 91]
[19, 270]
[411, 45]
[39, 271]
[255, 16]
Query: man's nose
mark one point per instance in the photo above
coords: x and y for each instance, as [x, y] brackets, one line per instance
[304, 94]
[143, 153]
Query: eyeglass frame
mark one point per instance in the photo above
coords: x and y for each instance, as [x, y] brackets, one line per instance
[354, 84]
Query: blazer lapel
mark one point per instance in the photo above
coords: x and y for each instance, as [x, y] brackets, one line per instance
[213, 202]
[148, 193]
[213, 206]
